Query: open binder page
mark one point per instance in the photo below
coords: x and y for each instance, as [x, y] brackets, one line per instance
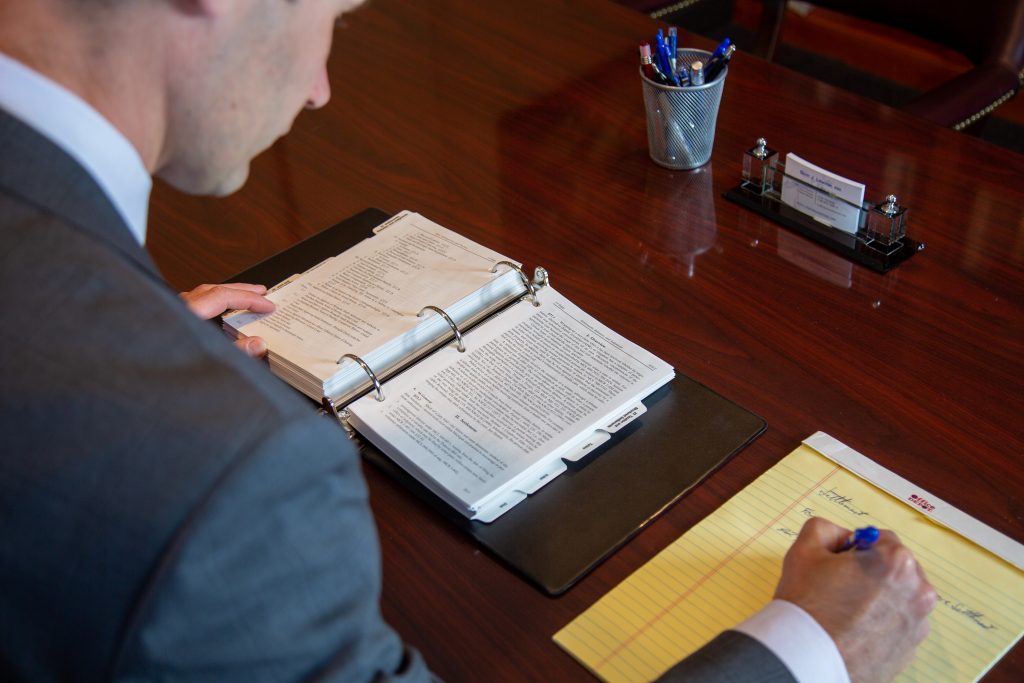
[366, 300]
[484, 428]
[726, 567]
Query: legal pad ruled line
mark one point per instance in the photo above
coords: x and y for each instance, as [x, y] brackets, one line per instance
[726, 568]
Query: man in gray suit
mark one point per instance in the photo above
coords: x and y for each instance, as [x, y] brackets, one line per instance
[167, 510]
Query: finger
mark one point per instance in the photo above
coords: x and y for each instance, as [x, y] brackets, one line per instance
[259, 289]
[252, 346]
[923, 599]
[245, 299]
[215, 301]
[926, 596]
[921, 575]
[927, 599]
[201, 291]
[820, 534]
[195, 291]
[889, 552]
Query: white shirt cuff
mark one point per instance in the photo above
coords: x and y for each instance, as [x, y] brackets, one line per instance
[799, 641]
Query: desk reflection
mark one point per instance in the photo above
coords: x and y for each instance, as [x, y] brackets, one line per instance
[679, 219]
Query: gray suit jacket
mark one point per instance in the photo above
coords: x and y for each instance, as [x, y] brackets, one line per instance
[732, 657]
[168, 509]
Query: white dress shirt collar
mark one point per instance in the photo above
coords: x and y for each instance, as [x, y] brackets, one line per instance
[81, 131]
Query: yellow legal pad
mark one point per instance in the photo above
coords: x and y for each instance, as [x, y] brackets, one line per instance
[726, 567]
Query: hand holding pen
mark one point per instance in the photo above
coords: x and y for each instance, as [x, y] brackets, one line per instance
[874, 601]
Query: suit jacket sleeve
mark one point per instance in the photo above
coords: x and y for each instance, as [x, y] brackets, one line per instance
[732, 657]
[274, 577]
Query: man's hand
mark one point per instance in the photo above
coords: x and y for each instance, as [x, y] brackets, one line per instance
[209, 301]
[874, 602]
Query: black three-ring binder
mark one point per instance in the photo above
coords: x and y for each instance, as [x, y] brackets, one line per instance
[570, 525]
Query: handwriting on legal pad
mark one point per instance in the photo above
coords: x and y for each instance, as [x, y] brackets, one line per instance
[725, 568]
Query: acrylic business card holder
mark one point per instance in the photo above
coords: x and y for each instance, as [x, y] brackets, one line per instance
[880, 242]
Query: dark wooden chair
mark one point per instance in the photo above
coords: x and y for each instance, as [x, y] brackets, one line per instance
[989, 33]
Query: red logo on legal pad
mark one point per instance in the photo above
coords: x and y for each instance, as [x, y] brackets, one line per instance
[921, 502]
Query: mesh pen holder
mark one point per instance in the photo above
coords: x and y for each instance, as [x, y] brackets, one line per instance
[681, 120]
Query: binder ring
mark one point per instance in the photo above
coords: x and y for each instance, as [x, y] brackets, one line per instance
[367, 370]
[526, 281]
[451, 324]
[341, 415]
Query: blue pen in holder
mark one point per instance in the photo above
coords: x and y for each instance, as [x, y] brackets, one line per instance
[681, 120]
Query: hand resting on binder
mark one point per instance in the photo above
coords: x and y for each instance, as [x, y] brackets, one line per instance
[209, 301]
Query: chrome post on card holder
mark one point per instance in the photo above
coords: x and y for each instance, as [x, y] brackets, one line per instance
[759, 168]
[880, 241]
[887, 222]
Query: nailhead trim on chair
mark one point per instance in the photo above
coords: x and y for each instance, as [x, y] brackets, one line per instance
[973, 118]
[673, 8]
[990, 108]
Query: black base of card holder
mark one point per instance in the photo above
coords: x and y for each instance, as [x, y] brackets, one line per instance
[561, 532]
[840, 242]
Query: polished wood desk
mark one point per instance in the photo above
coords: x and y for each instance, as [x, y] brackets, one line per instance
[521, 125]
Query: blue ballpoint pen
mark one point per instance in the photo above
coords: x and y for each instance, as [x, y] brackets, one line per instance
[673, 45]
[720, 50]
[715, 65]
[659, 51]
[658, 44]
[663, 58]
[861, 539]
